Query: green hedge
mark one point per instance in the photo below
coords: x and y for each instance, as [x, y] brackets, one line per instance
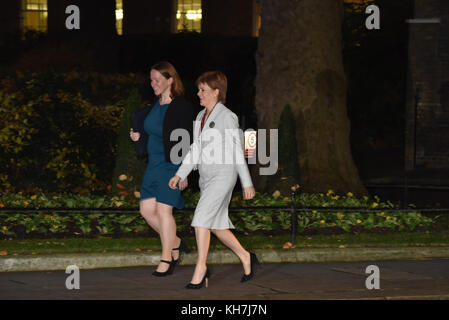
[58, 131]
[50, 224]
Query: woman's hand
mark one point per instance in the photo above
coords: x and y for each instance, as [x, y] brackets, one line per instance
[183, 184]
[249, 193]
[135, 136]
[174, 182]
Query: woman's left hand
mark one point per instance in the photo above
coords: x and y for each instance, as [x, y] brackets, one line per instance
[183, 184]
[249, 193]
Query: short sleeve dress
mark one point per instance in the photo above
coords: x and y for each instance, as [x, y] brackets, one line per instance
[158, 172]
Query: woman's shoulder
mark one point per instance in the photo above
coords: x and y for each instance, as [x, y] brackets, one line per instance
[200, 113]
[226, 112]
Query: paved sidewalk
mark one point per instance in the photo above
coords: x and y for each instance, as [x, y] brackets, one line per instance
[299, 255]
[282, 281]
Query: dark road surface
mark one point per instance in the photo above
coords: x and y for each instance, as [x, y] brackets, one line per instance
[427, 279]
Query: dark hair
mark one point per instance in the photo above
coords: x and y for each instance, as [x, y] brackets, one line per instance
[168, 71]
[215, 80]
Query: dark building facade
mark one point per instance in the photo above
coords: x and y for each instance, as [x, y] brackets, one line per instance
[97, 18]
[131, 17]
[10, 18]
[427, 110]
[147, 17]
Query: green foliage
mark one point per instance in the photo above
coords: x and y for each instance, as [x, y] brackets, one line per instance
[58, 131]
[87, 224]
[288, 153]
[129, 169]
[287, 175]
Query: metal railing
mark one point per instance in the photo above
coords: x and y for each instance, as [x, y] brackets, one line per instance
[293, 208]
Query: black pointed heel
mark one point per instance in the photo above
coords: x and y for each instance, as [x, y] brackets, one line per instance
[254, 263]
[166, 273]
[182, 248]
[203, 282]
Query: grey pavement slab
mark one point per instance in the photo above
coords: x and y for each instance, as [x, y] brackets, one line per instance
[299, 255]
[428, 279]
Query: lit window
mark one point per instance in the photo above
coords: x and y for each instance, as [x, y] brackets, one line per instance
[34, 15]
[119, 16]
[257, 22]
[188, 16]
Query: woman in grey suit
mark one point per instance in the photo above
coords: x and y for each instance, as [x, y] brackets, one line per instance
[217, 153]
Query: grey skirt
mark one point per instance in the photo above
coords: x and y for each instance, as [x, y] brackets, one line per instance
[216, 185]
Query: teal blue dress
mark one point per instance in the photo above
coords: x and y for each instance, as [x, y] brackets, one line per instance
[158, 172]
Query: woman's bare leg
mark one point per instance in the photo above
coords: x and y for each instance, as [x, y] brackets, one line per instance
[167, 232]
[149, 211]
[228, 239]
[202, 242]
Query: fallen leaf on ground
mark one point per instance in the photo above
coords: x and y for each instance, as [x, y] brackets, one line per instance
[342, 246]
[138, 249]
[3, 253]
[287, 245]
[118, 203]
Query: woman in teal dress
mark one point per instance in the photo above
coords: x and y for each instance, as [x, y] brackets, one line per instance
[170, 112]
[158, 170]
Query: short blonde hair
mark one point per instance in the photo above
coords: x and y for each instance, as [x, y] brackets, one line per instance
[215, 80]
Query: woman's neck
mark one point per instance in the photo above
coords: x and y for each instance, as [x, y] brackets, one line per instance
[165, 99]
[210, 108]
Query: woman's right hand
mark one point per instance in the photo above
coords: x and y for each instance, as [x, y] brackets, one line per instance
[249, 193]
[173, 183]
[135, 136]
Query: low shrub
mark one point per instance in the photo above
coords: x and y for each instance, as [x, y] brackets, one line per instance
[58, 131]
[91, 224]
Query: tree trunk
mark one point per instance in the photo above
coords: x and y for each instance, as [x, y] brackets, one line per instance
[299, 62]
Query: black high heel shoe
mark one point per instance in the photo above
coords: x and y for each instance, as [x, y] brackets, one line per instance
[254, 262]
[166, 273]
[203, 282]
[182, 248]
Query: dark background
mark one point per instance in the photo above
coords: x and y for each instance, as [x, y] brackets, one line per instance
[375, 62]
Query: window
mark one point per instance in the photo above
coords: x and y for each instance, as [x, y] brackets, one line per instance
[257, 18]
[188, 16]
[119, 16]
[34, 15]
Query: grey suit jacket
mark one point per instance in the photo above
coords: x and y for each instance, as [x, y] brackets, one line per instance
[218, 148]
